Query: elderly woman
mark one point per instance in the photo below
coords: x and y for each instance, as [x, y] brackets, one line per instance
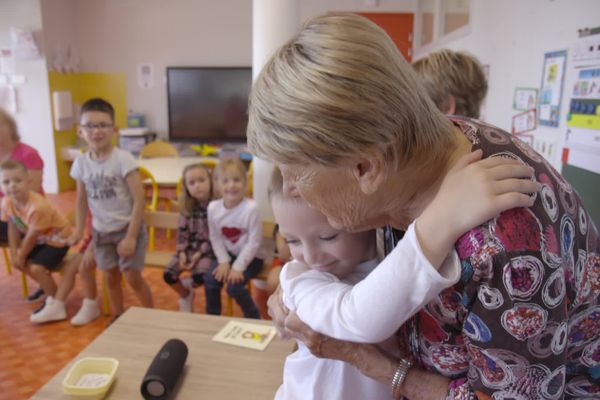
[354, 133]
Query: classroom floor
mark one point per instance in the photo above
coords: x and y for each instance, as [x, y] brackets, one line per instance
[31, 354]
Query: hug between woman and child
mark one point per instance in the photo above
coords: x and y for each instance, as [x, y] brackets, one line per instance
[331, 281]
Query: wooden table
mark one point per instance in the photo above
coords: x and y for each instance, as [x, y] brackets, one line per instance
[213, 370]
[167, 170]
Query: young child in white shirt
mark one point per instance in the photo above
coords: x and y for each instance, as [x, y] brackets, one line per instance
[235, 231]
[327, 285]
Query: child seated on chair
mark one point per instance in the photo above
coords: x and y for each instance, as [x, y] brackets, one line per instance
[194, 252]
[108, 181]
[37, 233]
[235, 230]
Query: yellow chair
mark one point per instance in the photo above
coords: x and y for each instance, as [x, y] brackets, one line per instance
[148, 179]
[249, 181]
[158, 148]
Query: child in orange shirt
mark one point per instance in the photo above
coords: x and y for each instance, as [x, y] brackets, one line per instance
[37, 233]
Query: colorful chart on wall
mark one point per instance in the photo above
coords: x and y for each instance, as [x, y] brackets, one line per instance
[523, 122]
[551, 89]
[525, 98]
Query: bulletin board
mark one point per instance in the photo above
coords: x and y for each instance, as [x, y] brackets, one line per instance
[551, 89]
[581, 151]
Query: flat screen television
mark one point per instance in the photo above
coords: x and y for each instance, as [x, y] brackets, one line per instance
[208, 104]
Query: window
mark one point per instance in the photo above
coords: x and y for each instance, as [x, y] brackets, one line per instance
[456, 15]
[439, 20]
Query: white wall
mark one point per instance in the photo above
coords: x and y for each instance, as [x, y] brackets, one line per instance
[60, 36]
[33, 115]
[512, 37]
[312, 8]
[117, 35]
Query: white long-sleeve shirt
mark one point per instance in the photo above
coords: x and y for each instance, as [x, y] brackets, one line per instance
[366, 310]
[236, 230]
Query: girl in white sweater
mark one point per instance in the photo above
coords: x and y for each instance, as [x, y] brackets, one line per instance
[235, 231]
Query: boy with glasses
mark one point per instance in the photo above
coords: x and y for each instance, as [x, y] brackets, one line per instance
[109, 183]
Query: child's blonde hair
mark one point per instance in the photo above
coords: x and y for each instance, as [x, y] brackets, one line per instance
[448, 73]
[12, 124]
[187, 203]
[340, 89]
[231, 163]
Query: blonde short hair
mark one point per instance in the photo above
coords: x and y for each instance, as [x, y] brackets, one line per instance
[337, 89]
[12, 124]
[448, 73]
[231, 163]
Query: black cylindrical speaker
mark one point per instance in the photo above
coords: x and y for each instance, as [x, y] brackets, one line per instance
[164, 372]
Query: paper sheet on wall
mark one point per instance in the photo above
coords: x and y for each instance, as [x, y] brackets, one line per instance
[243, 334]
[146, 76]
[8, 99]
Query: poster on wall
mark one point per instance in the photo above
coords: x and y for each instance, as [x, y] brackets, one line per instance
[145, 75]
[524, 122]
[553, 77]
[525, 98]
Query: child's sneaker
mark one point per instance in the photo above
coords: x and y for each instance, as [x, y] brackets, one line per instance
[186, 304]
[54, 310]
[88, 312]
[38, 295]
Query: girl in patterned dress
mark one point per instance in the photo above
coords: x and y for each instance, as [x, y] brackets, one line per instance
[194, 253]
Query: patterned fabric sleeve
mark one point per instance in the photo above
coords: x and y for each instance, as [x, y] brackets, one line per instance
[513, 324]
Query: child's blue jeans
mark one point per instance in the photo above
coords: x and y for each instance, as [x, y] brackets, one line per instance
[239, 291]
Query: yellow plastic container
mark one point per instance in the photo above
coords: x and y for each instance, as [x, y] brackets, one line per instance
[95, 372]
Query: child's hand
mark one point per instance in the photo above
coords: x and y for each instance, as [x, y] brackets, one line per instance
[472, 193]
[183, 261]
[220, 273]
[88, 261]
[74, 238]
[475, 191]
[195, 258]
[235, 277]
[126, 247]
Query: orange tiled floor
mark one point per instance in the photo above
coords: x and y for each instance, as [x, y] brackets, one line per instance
[31, 354]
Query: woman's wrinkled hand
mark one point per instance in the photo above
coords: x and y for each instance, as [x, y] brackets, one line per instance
[278, 312]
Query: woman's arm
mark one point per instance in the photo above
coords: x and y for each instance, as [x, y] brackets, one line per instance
[371, 361]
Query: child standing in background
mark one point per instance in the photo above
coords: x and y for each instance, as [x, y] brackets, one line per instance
[108, 181]
[194, 252]
[37, 234]
[235, 230]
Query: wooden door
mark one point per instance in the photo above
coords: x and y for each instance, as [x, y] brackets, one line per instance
[399, 27]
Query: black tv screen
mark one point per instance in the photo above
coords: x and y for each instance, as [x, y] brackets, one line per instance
[208, 104]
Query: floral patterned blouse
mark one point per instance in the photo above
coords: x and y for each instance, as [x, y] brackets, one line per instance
[524, 320]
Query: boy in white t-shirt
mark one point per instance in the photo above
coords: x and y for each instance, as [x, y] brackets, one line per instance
[109, 183]
[333, 286]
